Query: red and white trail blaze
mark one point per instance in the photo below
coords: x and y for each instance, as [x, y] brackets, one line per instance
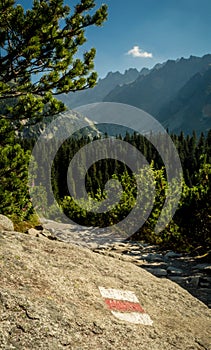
[125, 306]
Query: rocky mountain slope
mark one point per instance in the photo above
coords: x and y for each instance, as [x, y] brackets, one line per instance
[64, 123]
[191, 108]
[160, 86]
[53, 296]
[104, 86]
[177, 93]
[181, 84]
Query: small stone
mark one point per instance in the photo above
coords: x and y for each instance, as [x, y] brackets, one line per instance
[174, 270]
[49, 235]
[171, 255]
[93, 246]
[203, 267]
[157, 272]
[6, 224]
[204, 284]
[178, 279]
[134, 252]
[52, 230]
[46, 233]
[122, 244]
[135, 247]
[33, 232]
[193, 281]
[156, 265]
[102, 247]
[154, 257]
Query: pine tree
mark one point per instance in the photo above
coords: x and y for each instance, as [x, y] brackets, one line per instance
[37, 56]
[38, 61]
[14, 197]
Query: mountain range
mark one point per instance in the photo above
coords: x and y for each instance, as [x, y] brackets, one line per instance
[100, 91]
[177, 93]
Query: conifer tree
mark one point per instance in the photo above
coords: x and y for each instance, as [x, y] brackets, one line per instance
[39, 59]
[14, 197]
[38, 55]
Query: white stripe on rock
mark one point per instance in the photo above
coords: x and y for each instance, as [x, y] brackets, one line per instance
[118, 294]
[134, 317]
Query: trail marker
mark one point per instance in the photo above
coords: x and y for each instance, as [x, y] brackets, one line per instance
[125, 306]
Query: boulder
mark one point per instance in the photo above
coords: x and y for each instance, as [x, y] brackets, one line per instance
[56, 295]
[6, 224]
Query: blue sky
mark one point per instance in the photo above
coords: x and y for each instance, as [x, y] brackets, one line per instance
[157, 29]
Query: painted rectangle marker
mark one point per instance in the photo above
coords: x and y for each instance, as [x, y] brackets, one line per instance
[121, 305]
[125, 306]
[118, 294]
[134, 317]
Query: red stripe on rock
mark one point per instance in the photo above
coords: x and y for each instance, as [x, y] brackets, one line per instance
[126, 306]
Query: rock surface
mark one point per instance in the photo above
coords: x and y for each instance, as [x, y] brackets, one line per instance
[185, 270]
[5, 223]
[182, 269]
[49, 299]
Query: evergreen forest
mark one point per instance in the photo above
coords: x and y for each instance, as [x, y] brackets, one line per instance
[189, 229]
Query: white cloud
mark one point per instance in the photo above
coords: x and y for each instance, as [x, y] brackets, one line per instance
[137, 52]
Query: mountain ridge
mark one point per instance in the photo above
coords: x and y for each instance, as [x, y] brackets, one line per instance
[191, 107]
[157, 91]
[146, 92]
[103, 87]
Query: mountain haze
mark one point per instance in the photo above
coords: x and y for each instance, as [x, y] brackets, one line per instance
[152, 91]
[99, 92]
[176, 93]
[191, 108]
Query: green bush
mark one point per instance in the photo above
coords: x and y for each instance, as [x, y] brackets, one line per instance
[190, 226]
